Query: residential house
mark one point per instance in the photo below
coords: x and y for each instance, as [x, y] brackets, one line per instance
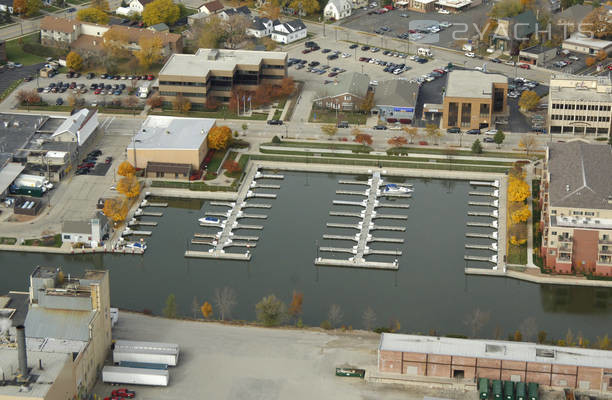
[576, 199]
[345, 93]
[137, 6]
[90, 232]
[423, 6]
[160, 28]
[6, 5]
[79, 127]
[359, 4]
[584, 44]
[212, 7]
[580, 105]
[568, 20]
[226, 13]
[473, 99]
[337, 9]
[260, 27]
[289, 32]
[511, 32]
[197, 18]
[395, 101]
[453, 6]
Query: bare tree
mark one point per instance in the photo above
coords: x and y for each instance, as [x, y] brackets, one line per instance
[529, 328]
[334, 315]
[195, 307]
[235, 31]
[369, 318]
[476, 320]
[225, 299]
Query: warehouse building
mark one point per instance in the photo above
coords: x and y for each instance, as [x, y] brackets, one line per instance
[549, 366]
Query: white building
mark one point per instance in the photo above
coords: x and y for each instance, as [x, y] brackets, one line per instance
[260, 27]
[289, 32]
[137, 6]
[78, 127]
[586, 45]
[337, 9]
[91, 231]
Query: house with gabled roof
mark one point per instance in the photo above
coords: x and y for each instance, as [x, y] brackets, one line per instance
[337, 9]
[289, 32]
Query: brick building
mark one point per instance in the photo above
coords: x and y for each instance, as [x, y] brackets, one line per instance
[346, 93]
[473, 99]
[457, 359]
[576, 199]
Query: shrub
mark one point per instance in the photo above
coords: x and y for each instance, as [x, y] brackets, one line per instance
[326, 325]
[276, 140]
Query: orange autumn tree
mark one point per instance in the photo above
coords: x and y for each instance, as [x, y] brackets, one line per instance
[206, 310]
[115, 209]
[129, 186]
[219, 137]
[231, 166]
[126, 169]
[363, 138]
[398, 141]
[295, 308]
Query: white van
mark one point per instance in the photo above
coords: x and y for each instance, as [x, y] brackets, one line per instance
[424, 52]
[468, 47]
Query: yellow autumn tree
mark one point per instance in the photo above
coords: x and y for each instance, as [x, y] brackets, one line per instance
[521, 215]
[74, 61]
[206, 310]
[129, 186]
[115, 209]
[518, 190]
[219, 137]
[125, 169]
[150, 51]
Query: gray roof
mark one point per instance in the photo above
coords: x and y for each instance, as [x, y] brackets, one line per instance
[496, 349]
[472, 84]
[163, 132]
[8, 174]
[290, 27]
[159, 27]
[18, 302]
[257, 23]
[396, 92]
[538, 49]
[337, 4]
[525, 24]
[580, 175]
[76, 227]
[58, 324]
[354, 83]
[575, 13]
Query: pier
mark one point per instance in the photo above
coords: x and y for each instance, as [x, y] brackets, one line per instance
[352, 192]
[141, 213]
[261, 175]
[389, 216]
[352, 263]
[494, 193]
[483, 224]
[129, 232]
[392, 205]
[214, 254]
[349, 203]
[401, 195]
[493, 214]
[255, 185]
[222, 203]
[492, 235]
[135, 222]
[494, 203]
[364, 183]
[492, 259]
[342, 237]
[344, 214]
[250, 194]
[344, 226]
[388, 228]
[485, 183]
[491, 247]
[147, 203]
[253, 205]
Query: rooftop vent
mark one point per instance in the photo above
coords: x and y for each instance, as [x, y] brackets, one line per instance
[567, 188]
[545, 353]
[494, 348]
[213, 55]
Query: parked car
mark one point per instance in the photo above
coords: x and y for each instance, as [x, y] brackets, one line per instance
[343, 124]
[353, 46]
[275, 122]
[524, 66]
[453, 130]
[491, 132]
[473, 132]
[470, 54]
[59, 101]
[488, 140]
[380, 127]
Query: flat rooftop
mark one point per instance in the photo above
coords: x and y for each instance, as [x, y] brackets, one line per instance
[583, 40]
[52, 364]
[472, 84]
[16, 131]
[206, 60]
[162, 133]
[496, 349]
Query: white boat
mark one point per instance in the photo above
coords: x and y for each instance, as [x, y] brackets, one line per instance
[393, 188]
[136, 245]
[209, 220]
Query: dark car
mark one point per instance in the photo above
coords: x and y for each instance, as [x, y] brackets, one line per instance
[473, 132]
[325, 50]
[488, 140]
[311, 44]
[59, 101]
[343, 124]
[27, 78]
[365, 48]
[91, 75]
[380, 127]
[353, 46]
[108, 160]
[40, 90]
[275, 122]
[496, 60]
[95, 153]
[453, 130]
[332, 56]
[82, 171]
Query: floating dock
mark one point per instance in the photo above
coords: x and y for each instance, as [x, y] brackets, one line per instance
[344, 214]
[344, 226]
[392, 205]
[250, 194]
[494, 203]
[255, 185]
[485, 183]
[389, 216]
[388, 228]
[351, 193]
[492, 235]
[136, 222]
[349, 203]
[493, 214]
[492, 259]
[213, 254]
[147, 203]
[494, 193]
[254, 205]
[351, 263]
[491, 247]
[136, 233]
[364, 183]
[222, 203]
[261, 175]
[141, 213]
[483, 224]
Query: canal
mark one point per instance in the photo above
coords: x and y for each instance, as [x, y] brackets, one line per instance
[428, 293]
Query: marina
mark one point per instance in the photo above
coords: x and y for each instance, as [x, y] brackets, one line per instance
[484, 220]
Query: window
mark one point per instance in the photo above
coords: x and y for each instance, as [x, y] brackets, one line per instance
[577, 213]
[589, 213]
[348, 98]
[67, 237]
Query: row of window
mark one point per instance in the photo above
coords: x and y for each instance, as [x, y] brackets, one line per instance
[269, 66]
[173, 83]
[184, 94]
[590, 118]
[590, 107]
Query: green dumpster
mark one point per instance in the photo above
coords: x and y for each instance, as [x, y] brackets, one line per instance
[508, 390]
[496, 389]
[483, 388]
[533, 391]
[521, 391]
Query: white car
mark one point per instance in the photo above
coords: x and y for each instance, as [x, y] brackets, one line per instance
[443, 11]
[491, 132]
[573, 58]
[478, 68]
[470, 54]
[345, 55]
[509, 62]
[373, 83]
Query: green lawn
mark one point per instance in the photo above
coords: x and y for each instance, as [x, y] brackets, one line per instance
[277, 114]
[8, 240]
[517, 254]
[426, 150]
[215, 162]
[330, 117]
[15, 53]
[222, 113]
[318, 145]
[47, 241]
[10, 89]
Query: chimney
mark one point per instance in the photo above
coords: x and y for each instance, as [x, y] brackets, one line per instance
[22, 352]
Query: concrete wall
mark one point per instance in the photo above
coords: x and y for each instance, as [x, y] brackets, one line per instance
[143, 156]
[64, 386]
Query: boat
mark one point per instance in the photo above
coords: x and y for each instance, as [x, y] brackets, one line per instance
[351, 372]
[136, 245]
[393, 188]
[209, 220]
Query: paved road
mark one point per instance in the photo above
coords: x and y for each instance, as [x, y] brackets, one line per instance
[247, 363]
[8, 76]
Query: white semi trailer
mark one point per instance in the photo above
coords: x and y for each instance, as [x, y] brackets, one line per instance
[135, 376]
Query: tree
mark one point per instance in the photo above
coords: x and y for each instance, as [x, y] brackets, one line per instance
[477, 147]
[28, 96]
[32, 7]
[19, 6]
[74, 61]
[270, 10]
[115, 209]
[150, 51]
[499, 138]
[115, 43]
[231, 166]
[369, 318]
[398, 141]
[225, 300]
[210, 32]
[206, 310]
[235, 31]
[130, 102]
[364, 139]
[529, 100]
[335, 315]
[521, 215]
[476, 320]
[100, 5]
[506, 8]
[195, 306]
[597, 23]
[159, 11]
[170, 310]
[245, 127]
[154, 101]
[433, 132]
[528, 143]
[541, 337]
[590, 61]
[75, 100]
[518, 189]
[287, 86]
[295, 308]
[126, 169]
[129, 186]
[412, 133]
[270, 311]
[181, 104]
[92, 14]
[307, 6]
[329, 129]
[518, 336]
[368, 102]
[602, 55]
[219, 137]
[603, 342]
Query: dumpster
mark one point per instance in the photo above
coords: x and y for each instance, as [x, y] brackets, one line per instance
[521, 391]
[496, 389]
[508, 390]
[533, 391]
[483, 388]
